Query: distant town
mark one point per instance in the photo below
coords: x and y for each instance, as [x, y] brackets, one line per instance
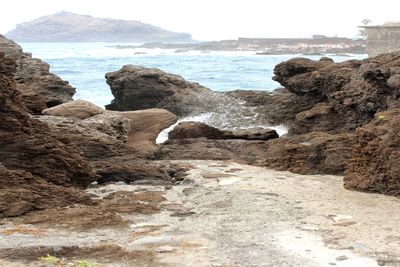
[318, 44]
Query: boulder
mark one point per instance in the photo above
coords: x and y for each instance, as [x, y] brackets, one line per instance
[117, 144]
[39, 88]
[136, 88]
[78, 109]
[145, 126]
[313, 153]
[374, 165]
[193, 129]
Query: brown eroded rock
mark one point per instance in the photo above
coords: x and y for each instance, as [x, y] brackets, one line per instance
[36, 169]
[39, 88]
[374, 165]
[145, 125]
[345, 95]
[78, 109]
[117, 144]
[137, 88]
[193, 129]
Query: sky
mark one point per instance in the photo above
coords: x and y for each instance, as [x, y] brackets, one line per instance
[220, 19]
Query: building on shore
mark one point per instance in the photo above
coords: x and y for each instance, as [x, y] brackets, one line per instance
[382, 38]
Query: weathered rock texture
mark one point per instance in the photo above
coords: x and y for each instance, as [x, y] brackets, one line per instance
[348, 94]
[37, 171]
[343, 126]
[78, 109]
[39, 88]
[198, 130]
[136, 88]
[374, 165]
[117, 144]
[343, 118]
[145, 126]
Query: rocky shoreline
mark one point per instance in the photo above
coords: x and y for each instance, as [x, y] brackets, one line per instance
[342, 119]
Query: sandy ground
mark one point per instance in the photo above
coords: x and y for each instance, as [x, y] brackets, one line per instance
[228, 214]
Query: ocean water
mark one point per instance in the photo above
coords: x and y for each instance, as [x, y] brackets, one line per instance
[85, 64]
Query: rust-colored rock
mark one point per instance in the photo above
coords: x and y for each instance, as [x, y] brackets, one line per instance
[38, 86]
[345, 95]
[375, 162]
[37, 171]
[193, 129]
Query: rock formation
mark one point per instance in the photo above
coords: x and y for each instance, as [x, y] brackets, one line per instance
[78, 109]
[345, 95]
[374, 165]
[39, 88]
[116, 144]
[137, 88]
[40, 170]
[145, 126]
[191, 129]
[333, 111]
[344, 120]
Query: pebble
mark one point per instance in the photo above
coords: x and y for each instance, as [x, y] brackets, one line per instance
[342, 258]
[165, 249]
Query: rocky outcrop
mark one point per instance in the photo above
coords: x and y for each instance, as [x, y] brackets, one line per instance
[39, 88]
[313, 153]
[37, 170]
[198, 130]
[345, 95]
[136, 88]
[374, 165]
[351, 125]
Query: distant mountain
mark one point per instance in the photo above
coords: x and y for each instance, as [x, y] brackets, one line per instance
[69, 27]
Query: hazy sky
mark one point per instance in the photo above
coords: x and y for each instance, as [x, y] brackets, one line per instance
[220, 19]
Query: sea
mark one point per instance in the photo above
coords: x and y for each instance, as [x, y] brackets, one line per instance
[84, 65]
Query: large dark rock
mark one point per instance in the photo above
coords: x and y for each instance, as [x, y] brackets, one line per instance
[312, 153]
[37, 171]
[193, 129]
[39, 88]
[69, 27]
[137, 88]
[345, 95]
[374, 165]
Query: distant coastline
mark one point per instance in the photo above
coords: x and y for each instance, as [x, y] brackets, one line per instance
[318, 45]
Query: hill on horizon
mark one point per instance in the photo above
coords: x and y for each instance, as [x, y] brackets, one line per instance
[70, 27]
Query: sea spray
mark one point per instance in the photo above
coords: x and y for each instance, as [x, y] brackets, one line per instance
[224, 112]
